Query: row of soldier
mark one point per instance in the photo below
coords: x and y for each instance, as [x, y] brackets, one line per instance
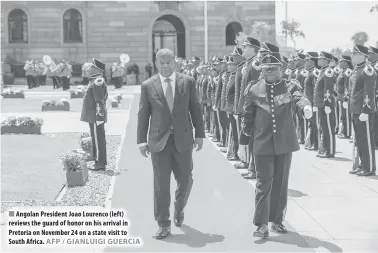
[343, 92]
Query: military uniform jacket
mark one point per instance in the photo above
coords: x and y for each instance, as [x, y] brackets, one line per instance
[292, 73]
[218, 92]
[94, 103]
[204, 84]
[309, 85]
[225, 78]
[210, 85]
[230, 93]
[269, 111]
[199, 87]
[238, 80]
[342, 83]
[375, 65]
[300, 75]
[324, 89]
[363, 88]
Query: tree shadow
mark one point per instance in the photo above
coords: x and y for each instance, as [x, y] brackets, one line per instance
[296, 194]
[302, 241]
[194, 238]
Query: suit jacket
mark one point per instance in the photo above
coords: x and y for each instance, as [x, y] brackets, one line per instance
[156, 122]
[94, 103]
[268, 116]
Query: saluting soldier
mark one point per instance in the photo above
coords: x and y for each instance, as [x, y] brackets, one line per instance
[300, 75]
[215, 81]
[363, 108]
[268, 119]
[250, 71]
[225, 78]
[195, 63]
[337, 70]
[373, 58]
[221, 115]
[233, 145]
[325, 103]
[201, 75]
[205, 83]
[311, 142]
[94, 112]
[342, 84]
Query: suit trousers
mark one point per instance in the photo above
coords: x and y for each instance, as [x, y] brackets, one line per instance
[164, 163]
[98, 142]
[346, 121]
[272, 172]
[234, 144]
[312, 133]
[364, 135]
[328, 124]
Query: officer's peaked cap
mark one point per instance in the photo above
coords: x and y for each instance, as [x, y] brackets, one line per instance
[97, 64]
[271, 59]
[373, 50]
[285, 59]
[237, 51]
[300, 56]
[231, 60]
[218, 60]
[360, 49]
[312, 55]
[249, 41]
[270, 47]
[345, 58]
[326, 55]
[195, 58]
[335, 59]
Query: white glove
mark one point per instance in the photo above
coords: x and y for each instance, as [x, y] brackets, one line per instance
[314, 109]
[363, 117]
[99, 122]
[327, 110]
[345, 105]
[307, 111]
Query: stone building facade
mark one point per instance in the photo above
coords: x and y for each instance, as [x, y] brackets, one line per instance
[78, 31]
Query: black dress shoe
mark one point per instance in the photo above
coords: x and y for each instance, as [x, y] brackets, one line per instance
[325, 155]
[355, 170]
[262, 232]
[365, 173]
[279, 228]
[163, 232]
[221, 145]
[178, 221]
[241, 165]
[233, 158]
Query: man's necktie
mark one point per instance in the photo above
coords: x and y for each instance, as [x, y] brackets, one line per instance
[169, 94]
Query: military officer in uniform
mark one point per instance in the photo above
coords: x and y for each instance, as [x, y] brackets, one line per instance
[373, 59]
[333, 65]
[363, 108]
[222, 109]
[268, 119]
[195, 63]
[250, 71]
[300, 75]
[311, 142]
[342, 84]
[94, 112]
[325, 104]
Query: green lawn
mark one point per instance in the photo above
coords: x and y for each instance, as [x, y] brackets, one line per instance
[30, 168]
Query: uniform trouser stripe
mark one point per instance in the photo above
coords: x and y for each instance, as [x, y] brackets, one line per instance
[330, 134]
[347, 121]
[96, 141]
[305, 127]
[336, 118]
[220, 127]
[340, 115]
[237, 126]
[369, 145]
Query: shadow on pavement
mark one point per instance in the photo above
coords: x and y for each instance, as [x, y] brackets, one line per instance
[372, 177]
[294, 238]
[194, 238]
[296, 194]
[341, 159]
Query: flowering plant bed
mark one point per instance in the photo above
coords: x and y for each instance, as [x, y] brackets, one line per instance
[13, 94]
[78, 93]
[21, 125]
[52, 105]
[75, 166]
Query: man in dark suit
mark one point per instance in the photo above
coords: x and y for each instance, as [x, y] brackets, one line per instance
[268, 118]
[168, 110]
[94, 112]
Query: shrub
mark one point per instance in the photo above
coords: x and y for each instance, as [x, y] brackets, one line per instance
[84, 135]
[72, 161]
[13, 92]
[64, 102]
[86, 144]
[22, 121]
[132, 68]
[48, 103]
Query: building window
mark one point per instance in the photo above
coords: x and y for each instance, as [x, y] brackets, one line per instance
[18, 26]
[232, 30]
[72, 26]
